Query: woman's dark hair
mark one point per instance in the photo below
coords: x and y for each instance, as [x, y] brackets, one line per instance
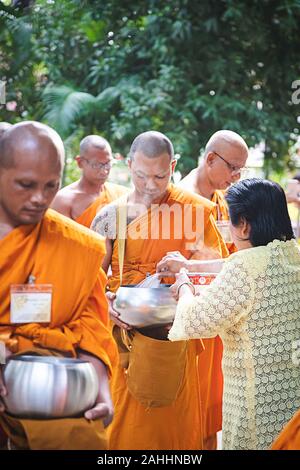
[263, 204]
[297, 177]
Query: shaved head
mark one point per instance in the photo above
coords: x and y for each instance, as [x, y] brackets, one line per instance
[93, 141]
[30, 136]
[225, 156]
[152, 163]
[152, 144]
[225, 138]
[3, 127]
[31, 163]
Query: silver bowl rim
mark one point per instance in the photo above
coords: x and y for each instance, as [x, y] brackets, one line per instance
[53, 360]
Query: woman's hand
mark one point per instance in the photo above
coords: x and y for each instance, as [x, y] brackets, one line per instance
[182, 285]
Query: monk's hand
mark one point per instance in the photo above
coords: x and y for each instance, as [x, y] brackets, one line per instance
[115, 316]
[3, 390]
[103, 408]
[171, 264]
[100, 411]
[182, 285]
[167, 327]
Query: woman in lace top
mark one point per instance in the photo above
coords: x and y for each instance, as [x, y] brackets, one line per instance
[254, 305]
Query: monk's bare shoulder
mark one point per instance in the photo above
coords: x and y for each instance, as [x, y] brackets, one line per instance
[64, 199]
[105, 222]
[189, 181]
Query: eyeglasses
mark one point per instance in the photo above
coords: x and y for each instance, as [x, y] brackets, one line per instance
[98, 165]
[233, 169]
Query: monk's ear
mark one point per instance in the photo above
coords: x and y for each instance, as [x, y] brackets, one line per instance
[173, 165]
[129, 162]
[78, 160]
[210, 158]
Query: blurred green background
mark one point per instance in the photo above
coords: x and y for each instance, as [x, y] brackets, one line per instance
[186, 68]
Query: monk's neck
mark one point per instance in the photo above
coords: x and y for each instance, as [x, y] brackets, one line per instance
[90, 188]
[136, 198]
[202, 184]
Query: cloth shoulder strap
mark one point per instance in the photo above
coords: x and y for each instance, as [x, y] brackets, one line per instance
[121, 231]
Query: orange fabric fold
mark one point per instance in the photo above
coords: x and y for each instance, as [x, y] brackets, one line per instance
[211, 385]
[289, 438]
[61, 434]
[179, 425]
[220, 211]
[109, 193]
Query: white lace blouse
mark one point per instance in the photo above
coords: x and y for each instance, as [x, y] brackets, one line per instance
[254, 305]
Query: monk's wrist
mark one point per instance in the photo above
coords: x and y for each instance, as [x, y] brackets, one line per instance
[191, 265]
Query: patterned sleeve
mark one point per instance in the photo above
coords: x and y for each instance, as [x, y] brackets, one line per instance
[228, 299]
[105, 222]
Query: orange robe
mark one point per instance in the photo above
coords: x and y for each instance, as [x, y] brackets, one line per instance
[220, 211]
[109, 193]
[294, 213]
[289, 438]
[210, 361]
[179, 425]
[57, 251]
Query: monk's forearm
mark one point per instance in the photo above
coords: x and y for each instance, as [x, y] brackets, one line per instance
[207, 266]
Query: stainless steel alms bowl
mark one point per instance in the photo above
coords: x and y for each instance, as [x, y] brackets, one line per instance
[145, 306]
[49, 387]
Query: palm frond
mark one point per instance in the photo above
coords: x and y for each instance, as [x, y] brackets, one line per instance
[64, 105]
[108, 97]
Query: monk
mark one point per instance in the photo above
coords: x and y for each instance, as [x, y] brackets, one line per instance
[225, 155]
[289, 438]
[156, 390]
[82, 199]
[40, 246]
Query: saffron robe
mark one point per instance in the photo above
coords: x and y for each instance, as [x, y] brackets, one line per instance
[294, 213]
[210, 361]
[178, 426]
[59, 252]
[109, 193]
[220, 211]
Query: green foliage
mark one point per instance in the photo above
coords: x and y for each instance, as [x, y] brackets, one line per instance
[185, 68]
[65, 106]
